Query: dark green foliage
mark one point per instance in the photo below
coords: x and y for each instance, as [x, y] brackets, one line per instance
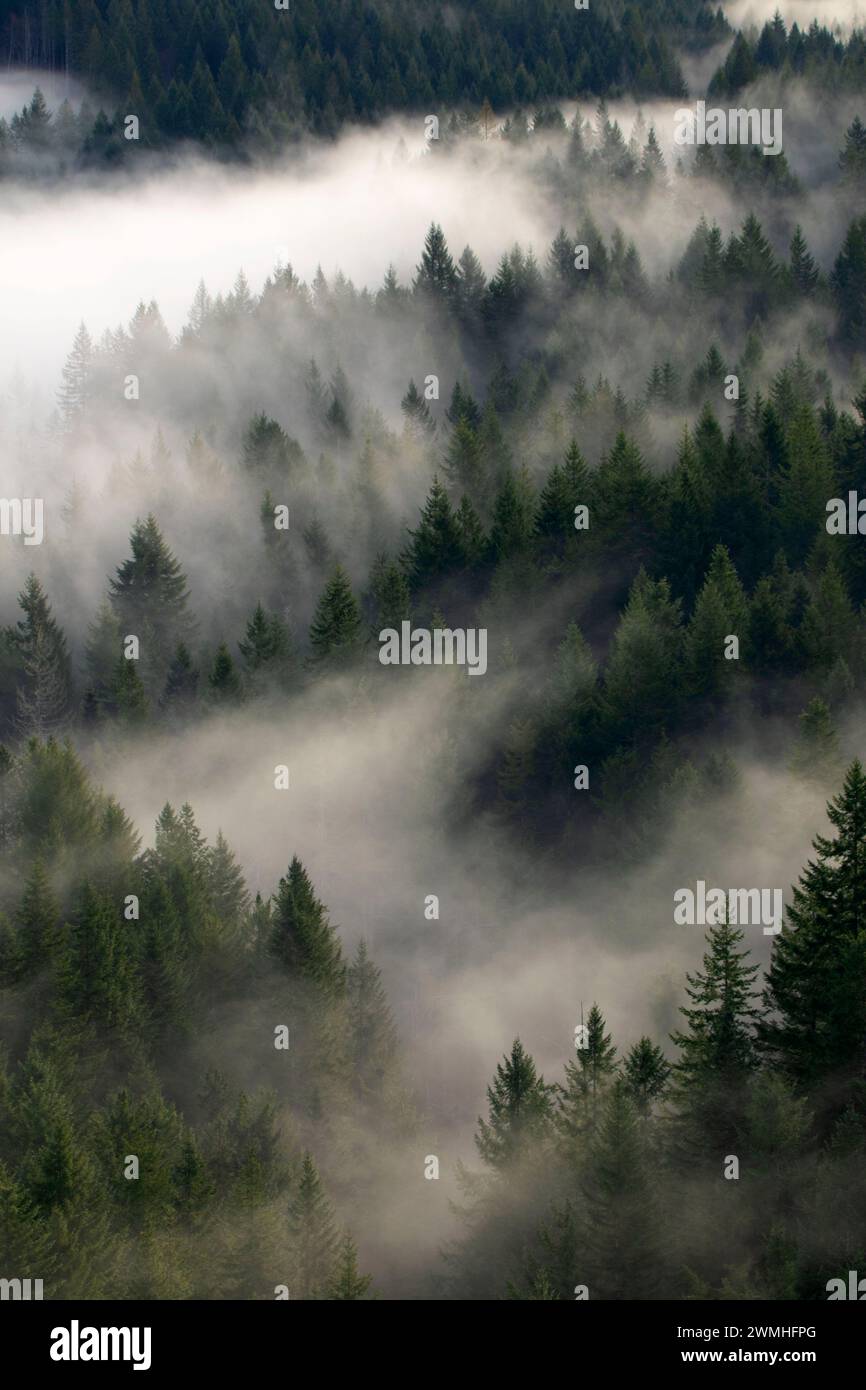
[336, 629]
[520, 1110]
[313, 1238]
[815, 986]
[302, 938]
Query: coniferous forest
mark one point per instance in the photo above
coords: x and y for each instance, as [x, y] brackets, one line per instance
[332, 330]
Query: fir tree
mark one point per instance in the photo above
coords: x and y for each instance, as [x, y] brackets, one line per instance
[336, 629]
[817, 756]
[302, 939]
[347, 1284]
[150, 598]
[224, 682]
[717, 1052]
[587, 1078]
[645, 1073]
[75, 392]
[621, 1253]
[313, 1238]
[520, 1111]
[815, 990]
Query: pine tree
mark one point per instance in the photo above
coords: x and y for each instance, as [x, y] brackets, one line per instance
[434, 551]
[302, 938]
[312, 1236]
[848, 282]
[640, 698]
[621, 1254]
[391, 596]
[267, 651]
[181, 684]
[817, 756]
[38, 920]
[224, 683]
[471, 285]
[463, 462]
[41, 700]
[717, 1052]
[567, 487]
[347, 1284]
[512, 521]
[104, 645]
[419, 421]
[720, 611]
[816, 984]
[373, 1036]
[225, 883]
[829, 628]
[645, 1073]
[803, 270]
[587, 1079]
[436, 277]
[75, 392]
[98, 983]
[128, 695]
[806, 486]
[336, 629]
[149, 596]
[652, 160]
[852, 160]
[520, 1111]
[40, 645]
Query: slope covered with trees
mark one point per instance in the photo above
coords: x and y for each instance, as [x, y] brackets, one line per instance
[228, 72]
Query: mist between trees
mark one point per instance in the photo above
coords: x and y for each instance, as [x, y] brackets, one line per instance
[613, 454]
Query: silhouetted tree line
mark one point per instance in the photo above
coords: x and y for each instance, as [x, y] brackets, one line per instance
[616, 1182]
[225, 73]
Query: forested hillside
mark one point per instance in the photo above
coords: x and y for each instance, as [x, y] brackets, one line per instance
[218, 73]
[271, 908]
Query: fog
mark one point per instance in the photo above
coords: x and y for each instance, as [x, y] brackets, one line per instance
[524, 940]
[841, 15]
[92, 253]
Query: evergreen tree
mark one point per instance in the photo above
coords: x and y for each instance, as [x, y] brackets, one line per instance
[717, 1052]
[645, 1073]
[347, 1284]
[41, 648]
[225, 883]
[392, 597]
[852, 160]
[436, 278]
[98, 983]
[817, 755]
[621, 1253]
[128, 695]
[75, 392]
[150, 598]
[313, 1238]
[181, 684]
[434, 551]
[417, 413]
[587, 1079]
[520, 1111]
[224, 682]
[803, 270]
[336, 629]
[267, 651]
[302, 939]
[815, 990]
